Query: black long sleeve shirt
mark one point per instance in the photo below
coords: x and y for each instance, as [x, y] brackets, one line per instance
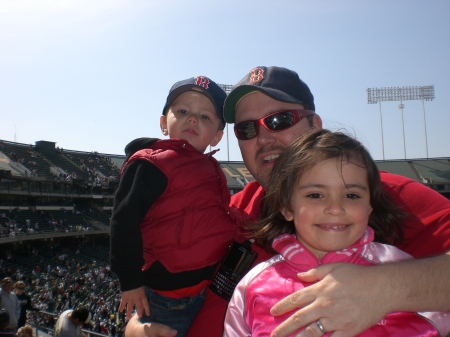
[140, 186]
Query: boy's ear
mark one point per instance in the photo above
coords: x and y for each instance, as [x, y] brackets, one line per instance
[287, 214]
[217, 138]
[163, 125]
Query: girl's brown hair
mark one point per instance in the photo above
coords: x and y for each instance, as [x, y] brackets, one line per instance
[308, 150]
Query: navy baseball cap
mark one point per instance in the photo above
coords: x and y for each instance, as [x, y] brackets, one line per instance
[207, 86]
[279, 83]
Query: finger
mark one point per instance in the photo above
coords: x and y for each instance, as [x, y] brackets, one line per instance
[138, 307]
[146, 307]
[129, 311]
[316, 274]
[312, 330]
[298, 320]
[121, 306]
[299, 299]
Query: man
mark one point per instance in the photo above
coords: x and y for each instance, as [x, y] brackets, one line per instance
[347, 299]
[70, 322]
[24, 301]
[4, 321]
[10, 303]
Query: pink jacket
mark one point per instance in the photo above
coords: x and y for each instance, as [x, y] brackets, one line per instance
[248, 311]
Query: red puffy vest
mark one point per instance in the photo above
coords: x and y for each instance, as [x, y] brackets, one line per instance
[191, 225]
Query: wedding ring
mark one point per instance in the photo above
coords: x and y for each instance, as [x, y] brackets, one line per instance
[320, 326]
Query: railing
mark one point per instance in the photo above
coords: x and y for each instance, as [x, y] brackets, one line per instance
[43, 331]
[46, 332]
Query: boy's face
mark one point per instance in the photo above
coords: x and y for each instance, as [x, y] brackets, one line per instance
[192, 117]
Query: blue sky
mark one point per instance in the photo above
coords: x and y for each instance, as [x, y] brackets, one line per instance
[93, 75]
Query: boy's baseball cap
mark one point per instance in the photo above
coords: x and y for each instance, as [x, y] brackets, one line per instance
[279, 83]
[207, 86]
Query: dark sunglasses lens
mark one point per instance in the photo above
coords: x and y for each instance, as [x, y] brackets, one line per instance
[245, 130]
[279, 121]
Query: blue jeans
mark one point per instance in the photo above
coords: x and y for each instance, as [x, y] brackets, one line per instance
[178, 313]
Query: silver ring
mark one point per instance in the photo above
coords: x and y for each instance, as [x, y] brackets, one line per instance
[320, 326]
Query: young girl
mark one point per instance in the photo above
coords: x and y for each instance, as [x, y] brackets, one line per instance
[324, 204]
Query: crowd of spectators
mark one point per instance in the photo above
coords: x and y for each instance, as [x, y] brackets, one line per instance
[67, 280]
[29, 163]
[99, 169]
[61, 225]
[11, 226]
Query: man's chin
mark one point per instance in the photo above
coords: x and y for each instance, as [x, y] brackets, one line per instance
[263, 179]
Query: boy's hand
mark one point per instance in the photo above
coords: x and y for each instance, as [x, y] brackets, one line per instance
[136, 298]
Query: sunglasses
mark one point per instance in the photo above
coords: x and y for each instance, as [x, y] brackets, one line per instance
[275, 122]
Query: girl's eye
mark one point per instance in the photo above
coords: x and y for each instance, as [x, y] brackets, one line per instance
[314, 196]
[183, 112]
[352, 196]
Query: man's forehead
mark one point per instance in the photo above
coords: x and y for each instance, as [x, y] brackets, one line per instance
[260, 104]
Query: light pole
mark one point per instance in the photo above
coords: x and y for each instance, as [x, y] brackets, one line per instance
[401, 106]
[423, 93]
[227, 89]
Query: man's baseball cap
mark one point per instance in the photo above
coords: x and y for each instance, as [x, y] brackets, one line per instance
[279, 83]
[207, 86]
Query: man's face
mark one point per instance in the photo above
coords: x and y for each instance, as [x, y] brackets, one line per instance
[260, 153]
[19, 290]
[7, 287]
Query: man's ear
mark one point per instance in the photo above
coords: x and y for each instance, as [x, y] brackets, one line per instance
[217, 138]
[317, 122]
[287, 214]
[163, 125]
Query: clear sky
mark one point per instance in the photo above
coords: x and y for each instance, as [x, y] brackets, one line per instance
[93, 75]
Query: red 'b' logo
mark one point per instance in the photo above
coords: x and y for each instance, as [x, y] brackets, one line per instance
[256, 75]
[202, 81]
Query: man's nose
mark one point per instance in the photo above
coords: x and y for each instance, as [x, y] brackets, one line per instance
[265, 136]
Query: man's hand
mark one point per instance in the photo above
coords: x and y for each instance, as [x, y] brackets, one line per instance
[136, 329]
[347, 300]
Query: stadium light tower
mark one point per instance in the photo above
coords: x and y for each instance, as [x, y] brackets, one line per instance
[423, 93]
[227, 89]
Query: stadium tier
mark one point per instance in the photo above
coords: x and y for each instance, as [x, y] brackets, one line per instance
[55, 208]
